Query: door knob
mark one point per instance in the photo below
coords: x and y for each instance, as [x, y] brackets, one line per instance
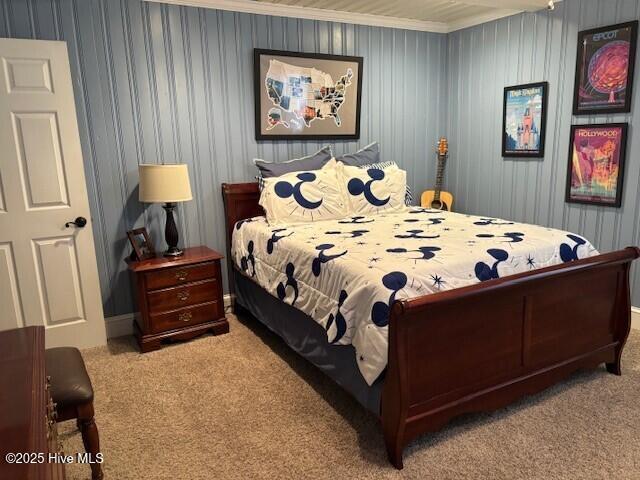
[78, 222]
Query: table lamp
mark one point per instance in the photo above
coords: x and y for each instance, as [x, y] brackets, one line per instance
[166, 184]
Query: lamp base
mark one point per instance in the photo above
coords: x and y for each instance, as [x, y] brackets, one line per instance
[173, 252]
[171, 232]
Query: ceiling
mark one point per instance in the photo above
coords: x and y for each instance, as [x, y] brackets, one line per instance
[424, 15]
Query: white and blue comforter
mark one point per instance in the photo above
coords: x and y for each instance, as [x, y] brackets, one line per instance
[345, 273]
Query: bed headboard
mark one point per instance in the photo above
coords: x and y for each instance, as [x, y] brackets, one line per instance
[240, 202]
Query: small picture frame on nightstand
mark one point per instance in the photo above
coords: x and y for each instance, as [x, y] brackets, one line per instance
[141, 243]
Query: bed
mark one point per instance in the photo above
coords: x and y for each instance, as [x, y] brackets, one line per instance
[476, 347]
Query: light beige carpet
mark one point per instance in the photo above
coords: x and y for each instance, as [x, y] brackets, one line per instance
[244, 406]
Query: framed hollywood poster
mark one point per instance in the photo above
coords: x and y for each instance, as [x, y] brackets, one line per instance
[524, 120]
[306, 96]
[604, 69]
[596, 164]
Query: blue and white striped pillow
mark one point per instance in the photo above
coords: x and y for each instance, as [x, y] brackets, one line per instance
[408, 196]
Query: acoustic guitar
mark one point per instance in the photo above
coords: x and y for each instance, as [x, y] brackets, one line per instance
[436, 198]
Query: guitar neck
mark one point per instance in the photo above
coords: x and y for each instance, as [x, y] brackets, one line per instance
[439, 176]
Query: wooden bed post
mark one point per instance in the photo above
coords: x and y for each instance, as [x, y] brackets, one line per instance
[395, 399]
[623, 315]
[240, 203]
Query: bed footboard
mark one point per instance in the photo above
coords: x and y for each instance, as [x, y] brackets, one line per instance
[482, 347]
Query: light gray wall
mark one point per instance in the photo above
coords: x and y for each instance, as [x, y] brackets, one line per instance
[166, 84]
[521, 49]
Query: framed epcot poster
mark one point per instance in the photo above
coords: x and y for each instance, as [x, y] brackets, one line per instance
[306, 96]
[524, 120]
[604, 69]
[596, 164]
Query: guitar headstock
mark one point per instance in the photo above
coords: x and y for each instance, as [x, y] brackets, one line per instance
[443, 146]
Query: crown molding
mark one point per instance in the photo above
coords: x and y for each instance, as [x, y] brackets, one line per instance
[528, 5]
[480, 19]
[309, 13]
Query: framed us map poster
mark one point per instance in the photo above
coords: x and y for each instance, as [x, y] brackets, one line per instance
[306, 96]
[604, 69]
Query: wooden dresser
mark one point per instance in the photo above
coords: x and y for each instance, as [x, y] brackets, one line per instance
[178, 298]
[27, 414]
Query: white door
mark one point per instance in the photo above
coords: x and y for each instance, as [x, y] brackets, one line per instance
[48, 272]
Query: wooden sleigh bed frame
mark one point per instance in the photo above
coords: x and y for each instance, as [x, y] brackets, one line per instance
[482, 347]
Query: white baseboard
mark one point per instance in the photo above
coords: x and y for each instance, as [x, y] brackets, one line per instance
[121, 325]
[228, 302]
[635, 318]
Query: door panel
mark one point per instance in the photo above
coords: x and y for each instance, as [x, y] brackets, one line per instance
[2, 203]
[9, 297]
[61, 302]
[28, 75]
[43, 187]
[41, 166]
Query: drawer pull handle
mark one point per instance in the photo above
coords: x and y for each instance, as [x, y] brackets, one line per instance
[182, 275]
[51, 410]
[185, 316]
[182, 296]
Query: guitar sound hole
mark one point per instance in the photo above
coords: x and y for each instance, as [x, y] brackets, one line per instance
[437, 205]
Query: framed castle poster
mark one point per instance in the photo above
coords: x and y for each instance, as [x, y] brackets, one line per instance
[596, 164]
[306, 96]
[524, 120]
[604, 69]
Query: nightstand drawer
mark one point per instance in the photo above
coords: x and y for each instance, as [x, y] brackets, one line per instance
[184, 317]
[169, 277]
[182, 296]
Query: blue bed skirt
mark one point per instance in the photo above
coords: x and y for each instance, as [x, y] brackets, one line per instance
[306, 337]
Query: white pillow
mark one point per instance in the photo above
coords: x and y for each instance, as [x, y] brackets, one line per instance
[300, 197]
[374, 190]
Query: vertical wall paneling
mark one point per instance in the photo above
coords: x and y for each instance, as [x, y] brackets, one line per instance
[526, 48]
[157, 83]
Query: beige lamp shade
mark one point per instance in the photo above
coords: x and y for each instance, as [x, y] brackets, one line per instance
[164, 183]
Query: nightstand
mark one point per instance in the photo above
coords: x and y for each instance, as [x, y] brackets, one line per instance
[178, 297]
